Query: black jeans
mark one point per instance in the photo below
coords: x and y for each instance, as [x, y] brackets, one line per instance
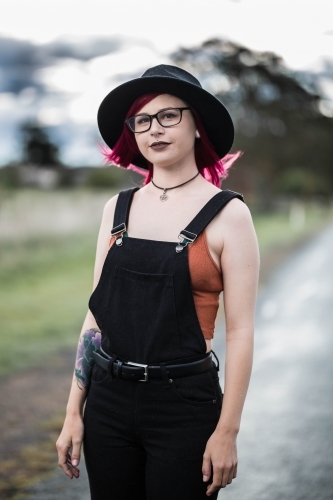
[145, 441]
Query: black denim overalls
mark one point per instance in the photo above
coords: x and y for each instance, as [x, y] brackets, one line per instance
[146, 440]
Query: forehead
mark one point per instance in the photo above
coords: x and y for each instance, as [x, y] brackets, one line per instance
[162, 101]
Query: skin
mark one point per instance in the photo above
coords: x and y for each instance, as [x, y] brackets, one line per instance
[233, 245]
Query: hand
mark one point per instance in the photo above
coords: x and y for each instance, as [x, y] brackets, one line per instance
[220, 457]
[69, 446]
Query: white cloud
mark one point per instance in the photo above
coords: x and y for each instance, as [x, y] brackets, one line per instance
[102, 76]
[296, 29]
[50, 116]
[68, 75]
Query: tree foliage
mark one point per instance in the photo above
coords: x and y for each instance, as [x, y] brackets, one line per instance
[37, 147]
[287, 141]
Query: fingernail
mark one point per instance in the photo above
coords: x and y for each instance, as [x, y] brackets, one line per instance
[75, 462]
[205, 478]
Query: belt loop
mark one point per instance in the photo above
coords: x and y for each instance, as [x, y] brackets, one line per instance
[119, 369]
[110, 366]
[165, 376]
[217, 361]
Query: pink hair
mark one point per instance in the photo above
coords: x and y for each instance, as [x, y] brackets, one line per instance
[209, 164]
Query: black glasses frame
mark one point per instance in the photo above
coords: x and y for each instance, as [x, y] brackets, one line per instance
[151, 117]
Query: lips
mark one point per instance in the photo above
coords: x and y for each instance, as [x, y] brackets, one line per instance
[159, 145]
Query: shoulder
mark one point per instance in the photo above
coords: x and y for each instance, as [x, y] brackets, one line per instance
[235, 212]
[110, 205]
[237, 230]
[109, 209]
[232, 224]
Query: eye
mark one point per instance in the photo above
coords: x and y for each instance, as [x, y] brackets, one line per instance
[141, 120]
[168, 115]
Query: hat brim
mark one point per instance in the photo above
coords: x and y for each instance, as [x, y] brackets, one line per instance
[215, 117]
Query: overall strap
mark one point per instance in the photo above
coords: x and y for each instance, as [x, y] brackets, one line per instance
[121, 214]
[205, 216]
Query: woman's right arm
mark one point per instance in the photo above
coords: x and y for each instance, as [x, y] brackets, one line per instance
[70, 440]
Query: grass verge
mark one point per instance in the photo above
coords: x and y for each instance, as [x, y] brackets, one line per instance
[45, 288]
[32, 463]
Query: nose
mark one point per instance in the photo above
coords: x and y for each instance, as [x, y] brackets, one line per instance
[156, 128]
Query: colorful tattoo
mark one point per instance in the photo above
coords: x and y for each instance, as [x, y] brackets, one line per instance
[89, 342]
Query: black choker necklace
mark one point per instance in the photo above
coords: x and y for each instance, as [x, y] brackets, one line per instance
[164, 196]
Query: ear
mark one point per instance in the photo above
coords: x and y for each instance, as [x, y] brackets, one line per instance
[197, 135]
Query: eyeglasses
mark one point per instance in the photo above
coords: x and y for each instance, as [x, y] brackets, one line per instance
[167, 117]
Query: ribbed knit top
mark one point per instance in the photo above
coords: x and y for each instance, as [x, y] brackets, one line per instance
[207, 284]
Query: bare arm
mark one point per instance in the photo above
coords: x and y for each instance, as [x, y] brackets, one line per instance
[72, 433]
[240, 263]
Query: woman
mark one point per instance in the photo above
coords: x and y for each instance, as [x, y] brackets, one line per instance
[154, 424]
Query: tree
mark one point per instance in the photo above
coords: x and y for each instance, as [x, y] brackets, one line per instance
[276, 114]
[37, 147]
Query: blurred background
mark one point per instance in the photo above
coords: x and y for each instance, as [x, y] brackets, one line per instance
[271, 64]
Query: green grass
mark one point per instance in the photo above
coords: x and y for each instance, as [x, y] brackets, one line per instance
[275, 229]
[43, 298]
[46, 283]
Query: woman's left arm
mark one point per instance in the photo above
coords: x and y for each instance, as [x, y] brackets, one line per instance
[240, 263]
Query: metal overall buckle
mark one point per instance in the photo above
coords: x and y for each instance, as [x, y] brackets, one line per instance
[185, 237]
[118, 233]
[145, 372]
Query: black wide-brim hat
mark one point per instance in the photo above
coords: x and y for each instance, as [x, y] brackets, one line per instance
[167, 80]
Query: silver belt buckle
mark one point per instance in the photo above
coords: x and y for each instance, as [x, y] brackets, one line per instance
[145, 372]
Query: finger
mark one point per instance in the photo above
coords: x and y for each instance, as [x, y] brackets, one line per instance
[70, 462]
[231, 475]
[76, 452]
[235, 471]
[206, 468]
[227, 473]
[216, 484]
[74, 470]
[62, 461]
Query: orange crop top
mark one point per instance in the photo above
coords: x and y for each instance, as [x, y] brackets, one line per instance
[207, 283]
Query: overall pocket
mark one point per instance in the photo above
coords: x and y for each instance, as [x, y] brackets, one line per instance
[141, 318]
[198, 389]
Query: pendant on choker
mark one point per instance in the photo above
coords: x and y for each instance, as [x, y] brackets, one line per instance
[164, 196]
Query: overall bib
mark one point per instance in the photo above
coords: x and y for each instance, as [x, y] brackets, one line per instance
[145, 440]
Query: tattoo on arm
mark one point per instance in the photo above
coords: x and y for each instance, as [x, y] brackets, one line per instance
[89, 342]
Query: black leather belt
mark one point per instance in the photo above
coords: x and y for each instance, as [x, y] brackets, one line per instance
[142, 373]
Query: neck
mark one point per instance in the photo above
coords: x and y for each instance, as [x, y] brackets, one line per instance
[172, 175]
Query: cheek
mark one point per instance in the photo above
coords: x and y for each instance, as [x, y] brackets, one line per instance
[187, 144]
[141, 143]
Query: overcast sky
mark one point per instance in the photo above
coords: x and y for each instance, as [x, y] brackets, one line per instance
[300, 30]
[86, 48]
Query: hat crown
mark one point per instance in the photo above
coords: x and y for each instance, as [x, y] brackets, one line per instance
[168, 71]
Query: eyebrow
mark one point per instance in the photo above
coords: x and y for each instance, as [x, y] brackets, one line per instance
[163, 109]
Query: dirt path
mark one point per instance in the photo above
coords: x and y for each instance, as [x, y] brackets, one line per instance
[32, 407]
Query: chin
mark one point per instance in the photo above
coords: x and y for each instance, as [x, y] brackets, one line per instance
[164, 164]
[161, 161]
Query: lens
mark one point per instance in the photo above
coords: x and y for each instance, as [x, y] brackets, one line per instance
[140, 123]
[169, 117]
